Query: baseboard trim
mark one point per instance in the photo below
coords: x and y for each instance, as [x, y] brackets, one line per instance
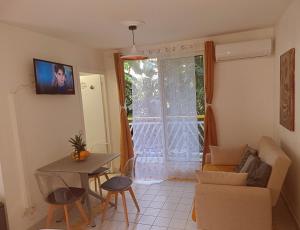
[289, 206]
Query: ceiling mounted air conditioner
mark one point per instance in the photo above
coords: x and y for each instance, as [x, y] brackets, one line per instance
[241, 50]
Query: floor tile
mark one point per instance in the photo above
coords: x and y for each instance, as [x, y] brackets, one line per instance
[134, 218]
[160, 198]
[162, 221]
[173, 199]
[170, 205]
[155, 186]
[158, 228]
[166, 213]
[142, 227]
[166, 188]
[156, 204]
[152, 211]
[181, 215]
[148, 197]
[144, 203]
[184, 207]
[164, 193]
[151, 191]
[177, 223]
[149, 220]
[186, 200]
[188, 194]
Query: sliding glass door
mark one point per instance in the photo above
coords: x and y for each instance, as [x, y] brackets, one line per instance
[165, 127]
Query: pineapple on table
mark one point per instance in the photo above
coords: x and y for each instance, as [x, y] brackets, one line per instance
[79, 145]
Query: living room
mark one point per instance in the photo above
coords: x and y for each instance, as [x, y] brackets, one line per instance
[35, 128]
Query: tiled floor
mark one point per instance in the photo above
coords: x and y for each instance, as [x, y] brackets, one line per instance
[164, 206]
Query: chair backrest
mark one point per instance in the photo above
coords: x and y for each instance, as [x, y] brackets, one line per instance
[129, 169]
[52, 183]
[273, 155]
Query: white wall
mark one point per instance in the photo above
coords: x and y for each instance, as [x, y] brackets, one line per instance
[287, 37]
[244, 100]
[35, 128]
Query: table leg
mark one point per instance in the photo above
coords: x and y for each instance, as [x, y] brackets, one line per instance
[85, 184]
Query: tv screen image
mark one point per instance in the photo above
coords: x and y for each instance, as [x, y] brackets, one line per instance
[53, 78]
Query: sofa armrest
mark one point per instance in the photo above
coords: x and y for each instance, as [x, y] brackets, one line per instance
[207, 158]
[233, 207]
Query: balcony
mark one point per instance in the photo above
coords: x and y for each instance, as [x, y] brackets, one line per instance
[184, 139]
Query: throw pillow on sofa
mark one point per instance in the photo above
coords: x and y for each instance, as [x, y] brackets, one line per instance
[226, 156]
[247, 152]
[258, 171]
[222, 178]
[250, 165]
[261, 176]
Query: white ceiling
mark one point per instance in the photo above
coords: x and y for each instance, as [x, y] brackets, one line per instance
[96, 23]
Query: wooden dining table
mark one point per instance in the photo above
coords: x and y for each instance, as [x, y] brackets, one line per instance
[83, 168]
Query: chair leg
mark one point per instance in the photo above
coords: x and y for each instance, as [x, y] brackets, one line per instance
[116, 200]
[50, 215]
[95, 184]
[125, 207]
[82, 212]
[67, 217]
[106, 176]
[106, 205]
[99, 184]
[134, 199]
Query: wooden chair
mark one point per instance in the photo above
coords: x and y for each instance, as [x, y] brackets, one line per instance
[121, 184]
[58, 194]
[96, 176]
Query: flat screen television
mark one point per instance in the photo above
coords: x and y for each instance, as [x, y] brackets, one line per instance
[53, 78]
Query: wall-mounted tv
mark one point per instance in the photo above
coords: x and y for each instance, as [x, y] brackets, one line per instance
[53, 78]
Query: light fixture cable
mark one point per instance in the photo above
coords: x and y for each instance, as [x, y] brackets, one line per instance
[133, 54]
[133, 28]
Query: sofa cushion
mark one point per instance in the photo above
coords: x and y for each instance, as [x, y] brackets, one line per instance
[250, 165]
[222, 168]
[258, 171]
[247, 152]
[222, 178]
[261, 175]
[226, 156]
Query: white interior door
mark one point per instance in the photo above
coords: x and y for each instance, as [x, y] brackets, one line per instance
[94, 113]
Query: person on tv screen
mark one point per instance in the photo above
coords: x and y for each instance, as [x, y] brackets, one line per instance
[59, 80]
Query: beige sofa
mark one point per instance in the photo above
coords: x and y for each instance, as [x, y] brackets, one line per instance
[226, 207]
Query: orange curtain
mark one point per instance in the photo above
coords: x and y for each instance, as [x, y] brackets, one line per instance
[126, 147]
[210, 133]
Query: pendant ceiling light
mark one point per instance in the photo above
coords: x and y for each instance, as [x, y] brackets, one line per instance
[133, 53]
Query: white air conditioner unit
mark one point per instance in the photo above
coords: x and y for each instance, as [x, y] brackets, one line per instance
[241, 50]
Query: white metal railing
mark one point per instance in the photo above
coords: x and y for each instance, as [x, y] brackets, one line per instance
[147, 135]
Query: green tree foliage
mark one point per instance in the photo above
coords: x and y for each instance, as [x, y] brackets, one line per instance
[199, 72]
[128, 87]
[150, 68]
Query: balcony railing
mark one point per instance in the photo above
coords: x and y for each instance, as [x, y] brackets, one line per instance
[147, 135]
